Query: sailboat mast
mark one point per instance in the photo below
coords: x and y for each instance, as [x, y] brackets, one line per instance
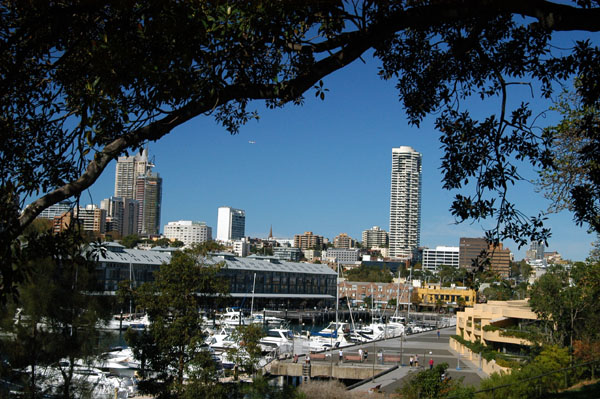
[252, 302]
[337, 294]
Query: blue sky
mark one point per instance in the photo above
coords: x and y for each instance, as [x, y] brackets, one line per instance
[322, 167]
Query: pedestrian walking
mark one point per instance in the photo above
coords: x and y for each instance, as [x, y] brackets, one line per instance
[416, 360]
[438, 334]
[380, 357]
[366, 354]
[430, 363]
[295, 358]
[341, 355]
[411, 361]
[307, 359]
[360, 354]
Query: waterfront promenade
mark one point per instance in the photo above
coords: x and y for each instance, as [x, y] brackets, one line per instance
[387, 361]
[422, 344]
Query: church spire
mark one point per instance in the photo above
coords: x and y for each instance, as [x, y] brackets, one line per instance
[271, 232]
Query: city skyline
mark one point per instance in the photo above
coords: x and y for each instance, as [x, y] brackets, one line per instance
[324, 167]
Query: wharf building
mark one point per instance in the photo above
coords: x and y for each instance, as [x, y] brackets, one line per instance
[405, 203]
[188, 232]
[374, 237]
[275, 283]
[231, 224]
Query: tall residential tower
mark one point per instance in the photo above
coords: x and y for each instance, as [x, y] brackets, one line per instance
[405, 202]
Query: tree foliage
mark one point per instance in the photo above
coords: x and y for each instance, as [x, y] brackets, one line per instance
[83, 83]
[567, 300]
[430, 384]
[52, 318]
[248, 352]
[373, 274]
[172, 345]
[549, 359]
[573, 182]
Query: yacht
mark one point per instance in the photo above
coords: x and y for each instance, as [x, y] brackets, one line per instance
[271, 321]
[277, 339]
[233, 318]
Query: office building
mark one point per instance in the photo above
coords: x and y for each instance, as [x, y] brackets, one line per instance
[536, 250]
[55, 210]
[477, 254]
[434, 258]
[472, 252]
[121, 215]
[127, 170]
[405, 202]
[231, 224]
[343, 241]
[241, 247]
[148, 191]
[188, 232]
[288, 253]
[134, 180]
[308, 240]
[91, 218]
[374, 237]
[342, 255]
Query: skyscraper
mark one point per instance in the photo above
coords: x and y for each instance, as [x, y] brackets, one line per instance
[231, 224]
[405, 202]
[128, 169]
[121, 215]
[148, 191]
[134, 180]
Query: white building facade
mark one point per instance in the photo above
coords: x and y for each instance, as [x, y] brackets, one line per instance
[231, 224]
[405, 202]
[342, 255]
[188, 232]
[241, 247]
[434, 258]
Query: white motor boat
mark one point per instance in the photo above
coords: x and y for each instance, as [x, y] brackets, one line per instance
[233, 318]
[277, 339]
[140, 323]
[330, 335]
[222, 340]
[270, 321]
[117, 322]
